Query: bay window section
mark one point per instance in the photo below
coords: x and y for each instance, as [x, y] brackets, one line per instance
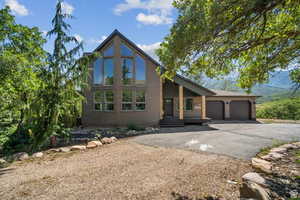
[140, 71]
[127, 71]
[104, 100]
[140, 99]
[108, 71]
[127, 100]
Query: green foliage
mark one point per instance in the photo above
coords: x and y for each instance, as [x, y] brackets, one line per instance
[251, 38]
[282, 109]
[134, 127]
[39, 93]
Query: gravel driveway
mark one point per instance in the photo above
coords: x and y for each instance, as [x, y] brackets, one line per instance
[239, 140]
[123, 170]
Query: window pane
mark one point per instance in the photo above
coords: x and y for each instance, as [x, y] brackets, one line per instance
[140, 106]
[99, 106]
[109, 95]
[125, 51]
[127, 96]
[108, 71]
[140, 96]
[127, 69]
[140, 70]
[98, 96]
[109, 107]
[189, 104]
[97, 71]
[126, 106]
[109, 51]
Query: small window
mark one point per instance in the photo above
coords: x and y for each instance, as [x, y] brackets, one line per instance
[109, 51]
[127, 100]
[127, 71]
[140, 70]
[98, 77]
[188, 104]
[108, 71]
[140, 99]
[104, 100]
[126, 51]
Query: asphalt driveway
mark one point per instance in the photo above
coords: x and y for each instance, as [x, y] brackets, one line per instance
[239, 140]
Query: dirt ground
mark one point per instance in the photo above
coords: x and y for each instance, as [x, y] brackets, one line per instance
[124, 170]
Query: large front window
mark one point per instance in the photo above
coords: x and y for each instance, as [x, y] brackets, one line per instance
[104, 100]
[104, 68]
[127, 71]
[127, 100]
[108, 71]
[140, 100]
[140, 70]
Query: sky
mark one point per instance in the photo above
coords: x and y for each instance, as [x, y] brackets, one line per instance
[145, 22]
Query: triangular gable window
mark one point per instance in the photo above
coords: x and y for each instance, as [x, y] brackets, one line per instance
[109, 51]
[126, 51]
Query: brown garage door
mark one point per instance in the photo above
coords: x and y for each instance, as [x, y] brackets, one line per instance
[240, 110]
[215, 110]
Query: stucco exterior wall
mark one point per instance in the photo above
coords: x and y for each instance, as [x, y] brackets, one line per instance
[149, 117]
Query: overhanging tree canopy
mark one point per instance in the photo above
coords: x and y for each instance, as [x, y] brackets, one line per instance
[217, 37]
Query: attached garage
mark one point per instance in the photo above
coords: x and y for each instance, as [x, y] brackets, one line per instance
[215, 110]
[240, 110]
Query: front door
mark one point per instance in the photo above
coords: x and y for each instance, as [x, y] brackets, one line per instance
[168, 107]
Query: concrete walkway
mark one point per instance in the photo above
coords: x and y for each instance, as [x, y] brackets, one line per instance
[239, 140]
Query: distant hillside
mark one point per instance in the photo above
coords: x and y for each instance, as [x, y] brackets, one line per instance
[278, 87]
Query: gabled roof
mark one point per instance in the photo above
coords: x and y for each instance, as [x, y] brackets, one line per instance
[198, 89]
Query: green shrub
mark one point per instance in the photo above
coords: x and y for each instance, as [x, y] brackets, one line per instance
[135, 127]
[281, 109]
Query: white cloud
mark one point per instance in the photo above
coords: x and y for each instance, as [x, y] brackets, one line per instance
[78, 37]
[153, 19]
[159, 11]
[150, 49]
[67, 8]
[97, 41]
[16, 7]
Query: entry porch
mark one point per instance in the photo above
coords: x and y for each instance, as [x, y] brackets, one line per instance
[182, 102]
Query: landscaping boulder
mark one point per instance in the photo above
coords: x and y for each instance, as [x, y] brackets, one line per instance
[255, 178]
[272, 156]
[78, 148]
[114, 139]
[91, 145]
[106, 140]
[289, 146]
[278, 150]
[53, 150]
[251, 190]
[64, 149]
[21, 156]
[262, 165]
[2, 161]
[97, 142]
[37, 155]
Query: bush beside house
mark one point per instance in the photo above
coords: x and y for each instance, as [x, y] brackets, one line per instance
[281, 109]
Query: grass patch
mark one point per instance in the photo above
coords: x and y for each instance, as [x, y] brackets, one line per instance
[275, 143]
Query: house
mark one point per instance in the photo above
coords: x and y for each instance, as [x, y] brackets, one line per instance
[125, 88]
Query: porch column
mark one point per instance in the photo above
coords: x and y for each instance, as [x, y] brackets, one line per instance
[203, 107]
[180, 102]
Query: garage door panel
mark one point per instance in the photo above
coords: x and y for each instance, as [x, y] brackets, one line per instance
[215, 110]
[240, 110]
